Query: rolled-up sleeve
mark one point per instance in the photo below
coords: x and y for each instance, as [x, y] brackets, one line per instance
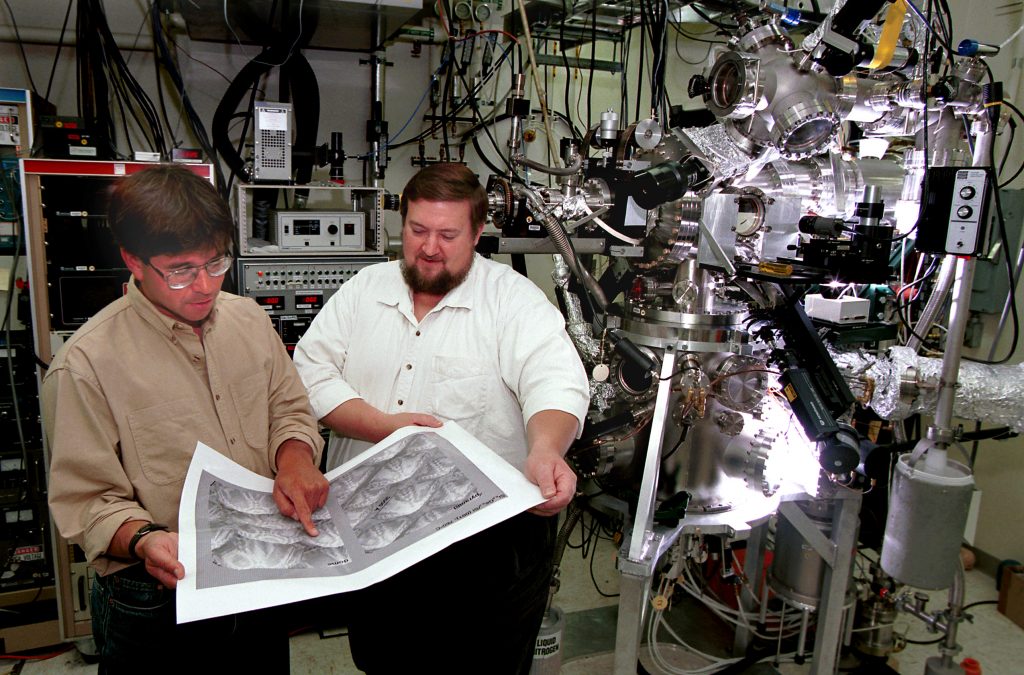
[538, 360]
[89, 493]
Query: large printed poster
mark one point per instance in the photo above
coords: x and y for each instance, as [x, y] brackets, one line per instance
[404, 499]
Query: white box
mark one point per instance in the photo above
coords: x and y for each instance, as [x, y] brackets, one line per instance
[838, 310]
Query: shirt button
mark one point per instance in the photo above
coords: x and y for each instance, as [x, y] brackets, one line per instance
[232, 441]
[195, 358]
[217, 396]
[408, 366]
[400, 401]
[417, 333]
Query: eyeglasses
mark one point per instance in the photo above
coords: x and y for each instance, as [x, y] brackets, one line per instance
[183, 277]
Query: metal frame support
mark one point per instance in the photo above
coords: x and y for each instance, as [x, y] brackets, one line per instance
[753, 564]
[829, 633]
[640, 553]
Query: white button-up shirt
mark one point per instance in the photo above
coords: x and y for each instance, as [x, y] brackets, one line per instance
[490, 355]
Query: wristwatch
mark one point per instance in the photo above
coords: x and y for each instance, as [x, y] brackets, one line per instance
[142, 532]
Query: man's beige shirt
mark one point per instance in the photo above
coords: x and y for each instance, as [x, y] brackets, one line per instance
[129, 395]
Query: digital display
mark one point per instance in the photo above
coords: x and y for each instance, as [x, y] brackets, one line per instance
[305, 228]
[309, 301]
[187, 155]
[270, 301]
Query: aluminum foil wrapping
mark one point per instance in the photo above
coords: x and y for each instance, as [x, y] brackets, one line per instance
[887, 374]
[581, 332]
[813, 38]
[719, 149]
[991, 394]
[854, 367]
[601, 395]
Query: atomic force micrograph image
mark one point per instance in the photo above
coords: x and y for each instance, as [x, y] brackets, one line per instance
[405, 489]
[249, 532]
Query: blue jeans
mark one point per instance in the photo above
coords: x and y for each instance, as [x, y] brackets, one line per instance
[134, 626]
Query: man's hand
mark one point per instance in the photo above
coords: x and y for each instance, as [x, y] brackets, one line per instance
[299, 488]
[549, 434]
[554, 477]
[398, 420]
[159, 553]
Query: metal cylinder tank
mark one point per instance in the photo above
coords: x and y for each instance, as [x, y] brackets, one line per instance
[927, 515]
[797, 570]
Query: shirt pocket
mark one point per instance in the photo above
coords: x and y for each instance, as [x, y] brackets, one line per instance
[458, 389]
[253, 408]
[165, 437]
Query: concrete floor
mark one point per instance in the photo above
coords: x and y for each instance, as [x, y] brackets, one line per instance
[589, 635]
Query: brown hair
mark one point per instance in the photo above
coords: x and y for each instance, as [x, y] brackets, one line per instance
[167, 210]
[447, 183]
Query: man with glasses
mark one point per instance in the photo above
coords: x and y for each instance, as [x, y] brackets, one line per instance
[125, 400]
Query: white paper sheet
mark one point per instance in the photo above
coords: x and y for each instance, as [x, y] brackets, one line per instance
[406, 498]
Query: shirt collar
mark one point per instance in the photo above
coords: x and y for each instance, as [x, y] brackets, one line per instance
[396, 293]
[153, 316]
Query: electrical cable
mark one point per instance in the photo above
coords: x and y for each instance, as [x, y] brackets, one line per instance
[10, 187]
[21, 47]
[678, 26]
[593, 54]
[476, 111]
[717, 24]
[1004, 237]
[1006, 151]
[446, 93]
[104, 69]
[565, 59]
[60, 45]
[979, 602]
[624, 78]
[641, 52]
[1016, 111]
[163, 54]
[434, 125]
[679, 54]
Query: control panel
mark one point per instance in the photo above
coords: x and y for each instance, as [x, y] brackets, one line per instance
[320, 230]
[293, 290]
[970, 191]
[10, 125]
[955, 210]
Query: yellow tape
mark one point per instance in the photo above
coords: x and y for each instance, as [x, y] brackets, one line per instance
[890, 35]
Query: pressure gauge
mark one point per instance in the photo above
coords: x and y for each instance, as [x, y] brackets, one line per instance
[463, 11]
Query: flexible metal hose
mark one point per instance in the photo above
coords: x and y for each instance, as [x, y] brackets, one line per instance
[561, 242]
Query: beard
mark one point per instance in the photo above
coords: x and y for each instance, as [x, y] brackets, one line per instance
[441, 284]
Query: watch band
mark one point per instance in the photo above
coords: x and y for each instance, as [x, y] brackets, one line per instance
[140, 533]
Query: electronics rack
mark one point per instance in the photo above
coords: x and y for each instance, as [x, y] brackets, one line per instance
[259, 209]
[74, 269]
[292, 290]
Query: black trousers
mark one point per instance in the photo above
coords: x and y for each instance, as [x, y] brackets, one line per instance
[475, 607]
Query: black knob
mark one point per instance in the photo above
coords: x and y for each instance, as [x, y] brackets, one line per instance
[698, 86]
[332, 229]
